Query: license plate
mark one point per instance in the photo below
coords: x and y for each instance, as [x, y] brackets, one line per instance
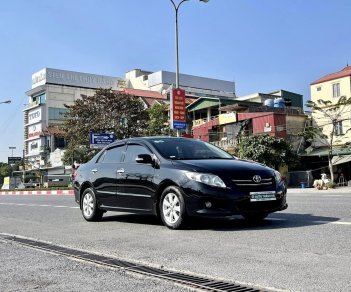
[262, 196]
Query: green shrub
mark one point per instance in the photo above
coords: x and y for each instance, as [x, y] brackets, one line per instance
[331, 185]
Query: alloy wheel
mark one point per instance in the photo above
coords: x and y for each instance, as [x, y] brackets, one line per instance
[171, 208]
[88, 205]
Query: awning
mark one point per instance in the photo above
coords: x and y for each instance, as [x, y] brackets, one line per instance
[204, 104]
[341, 159]
[337, 151]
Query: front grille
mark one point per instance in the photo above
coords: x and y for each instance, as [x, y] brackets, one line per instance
[250, 183]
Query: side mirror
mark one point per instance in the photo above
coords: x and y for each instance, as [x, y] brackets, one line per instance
[144, 158]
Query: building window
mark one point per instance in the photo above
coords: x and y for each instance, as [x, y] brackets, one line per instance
[336, 89]
[39, 99]
[319, 88]
[338, 128]
[57, 113]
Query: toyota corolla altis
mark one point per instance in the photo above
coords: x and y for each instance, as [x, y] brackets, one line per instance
[175, 179]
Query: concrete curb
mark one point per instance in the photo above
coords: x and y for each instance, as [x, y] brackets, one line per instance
[38, 193]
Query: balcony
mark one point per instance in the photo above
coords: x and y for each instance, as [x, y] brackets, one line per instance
[32, 104]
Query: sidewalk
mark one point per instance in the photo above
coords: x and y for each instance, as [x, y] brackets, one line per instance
[337, 190]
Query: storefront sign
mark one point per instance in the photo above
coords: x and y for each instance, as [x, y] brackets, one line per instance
[227, 118]
[34, 147]
[34, 116]
[63, 77]
[34, 131]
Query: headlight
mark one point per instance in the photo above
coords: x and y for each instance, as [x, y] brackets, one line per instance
[278, 177]
[208, 179]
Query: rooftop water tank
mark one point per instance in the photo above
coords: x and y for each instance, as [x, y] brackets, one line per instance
[279, 102]
[269, 102]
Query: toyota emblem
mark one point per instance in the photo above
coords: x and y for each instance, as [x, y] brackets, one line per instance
[256, 178]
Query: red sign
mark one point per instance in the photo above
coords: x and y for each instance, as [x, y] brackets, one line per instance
[179, 110]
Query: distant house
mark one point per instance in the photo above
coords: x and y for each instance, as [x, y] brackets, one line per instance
[330, 88]
[222, 121]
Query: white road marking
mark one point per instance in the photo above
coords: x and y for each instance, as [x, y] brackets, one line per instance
[316, 222]
[36, 205]
[333, 222]
[320, 195]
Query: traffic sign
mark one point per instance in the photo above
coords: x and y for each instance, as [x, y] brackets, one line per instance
[100, 140]
[14, 160]
[179, 125]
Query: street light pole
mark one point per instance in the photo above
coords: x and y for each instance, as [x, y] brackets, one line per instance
[176, 8]
[12, 148]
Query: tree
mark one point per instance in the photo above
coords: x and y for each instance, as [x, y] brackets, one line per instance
[327, 124]
[269, 150]
[104, 112]
[158, 120]
[5, 170]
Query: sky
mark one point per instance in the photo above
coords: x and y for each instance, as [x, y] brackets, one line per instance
[262, 45]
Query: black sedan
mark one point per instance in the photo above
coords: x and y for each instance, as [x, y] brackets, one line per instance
[176, 178]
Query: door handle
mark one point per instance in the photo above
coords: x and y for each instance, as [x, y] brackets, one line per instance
[120, 171]
[94, 170]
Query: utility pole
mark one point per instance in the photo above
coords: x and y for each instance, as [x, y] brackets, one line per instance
[23, 167]
[12, 148]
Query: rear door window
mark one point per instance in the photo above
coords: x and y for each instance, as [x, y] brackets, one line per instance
[112, 155]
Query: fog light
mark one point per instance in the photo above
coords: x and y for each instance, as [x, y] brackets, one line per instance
[208, 204]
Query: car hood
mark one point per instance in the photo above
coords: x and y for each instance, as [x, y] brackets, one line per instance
[227, 167]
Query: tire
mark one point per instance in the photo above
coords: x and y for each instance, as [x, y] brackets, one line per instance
[255, 217]
[90, 210]
[172, 208]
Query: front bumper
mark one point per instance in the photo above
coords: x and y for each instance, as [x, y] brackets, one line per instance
[202, 200]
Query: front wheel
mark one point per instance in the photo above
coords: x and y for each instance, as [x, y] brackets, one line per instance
[172, 208]
[90, 210]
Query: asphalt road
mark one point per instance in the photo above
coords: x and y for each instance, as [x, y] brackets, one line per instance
[304, 248]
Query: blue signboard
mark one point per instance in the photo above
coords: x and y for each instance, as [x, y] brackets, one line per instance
[179, 125]
[100, 140]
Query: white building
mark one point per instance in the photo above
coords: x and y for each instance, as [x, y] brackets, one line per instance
[52, 89]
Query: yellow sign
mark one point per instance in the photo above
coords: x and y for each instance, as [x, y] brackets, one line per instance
[227, 118]
[198, 122]
[6, 180]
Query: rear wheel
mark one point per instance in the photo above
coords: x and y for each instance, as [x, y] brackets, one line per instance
[172, 208]
[255, 217]
[90, 210]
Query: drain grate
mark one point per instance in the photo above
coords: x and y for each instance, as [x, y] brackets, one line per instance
[196, 282]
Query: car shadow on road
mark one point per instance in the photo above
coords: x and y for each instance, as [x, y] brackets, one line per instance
[274, 221]
[133, 218]
[235, 223]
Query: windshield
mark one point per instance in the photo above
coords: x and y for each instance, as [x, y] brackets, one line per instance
[185, 148]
